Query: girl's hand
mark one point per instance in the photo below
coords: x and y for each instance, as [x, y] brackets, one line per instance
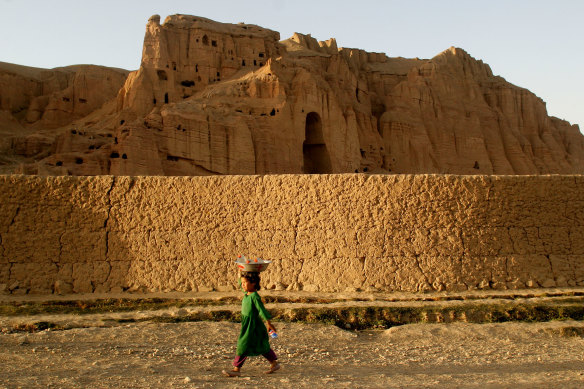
[270, 326]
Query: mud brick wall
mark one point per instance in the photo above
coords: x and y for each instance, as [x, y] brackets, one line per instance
[323, 232]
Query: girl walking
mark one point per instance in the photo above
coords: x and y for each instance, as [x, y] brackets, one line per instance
[253, 338]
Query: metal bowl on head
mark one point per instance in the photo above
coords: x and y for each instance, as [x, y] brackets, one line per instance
[253, 265]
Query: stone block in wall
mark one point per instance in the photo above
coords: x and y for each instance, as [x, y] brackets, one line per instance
[442, 272]
[32, 277]
[87, 276]
[119, 275]
[82, 275]
[483, 241]
[369, 243]
[270, 244]
[409, 276]
[531, 270]
[555, 240]
[65, 272]
[474, 273]
[62, 287]
[5, 272]
[566, 269]
[82, 246]
[31, 247]
[307, 242]
[524, 240]
[283, 272]
[180, 275]
[125, 246]
[340, 273]
[8, 211]
[436, 242]
[575, 212]
[486, 272]
[576, 234]
[381, 274]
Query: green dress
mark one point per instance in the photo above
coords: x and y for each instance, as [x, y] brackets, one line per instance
[253, 338]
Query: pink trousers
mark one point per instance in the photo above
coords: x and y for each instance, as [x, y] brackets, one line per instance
[240, 359]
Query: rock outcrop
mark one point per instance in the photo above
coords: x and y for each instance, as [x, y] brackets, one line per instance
[213, 98]
[36, 104]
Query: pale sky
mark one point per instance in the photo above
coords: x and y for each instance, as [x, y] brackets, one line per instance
[535, 44]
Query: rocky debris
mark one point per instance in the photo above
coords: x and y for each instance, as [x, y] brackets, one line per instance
[215, 98]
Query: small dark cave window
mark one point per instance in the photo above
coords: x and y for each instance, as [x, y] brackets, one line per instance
[115, 155]
[83, 101]
[255, 63]
[162, 75]
[187, 83]
[214, 43]
[124, 156]
[166, 98]
[122, 122]
[171, 158]
[154, 101]
[205, 40]
[243, 62]
[59, 163]
[476, 165]
[73, 132]
[78, 161]
[261, 55]
[273, 113]
[196, 68]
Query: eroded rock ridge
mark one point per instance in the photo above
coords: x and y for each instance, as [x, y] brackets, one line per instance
[213, 98]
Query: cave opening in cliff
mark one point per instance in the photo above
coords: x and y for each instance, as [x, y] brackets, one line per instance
[316, 157]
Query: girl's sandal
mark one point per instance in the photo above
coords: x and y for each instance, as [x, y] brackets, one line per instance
[274, 368]
[231, 373]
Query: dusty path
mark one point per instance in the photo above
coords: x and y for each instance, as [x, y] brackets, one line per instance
[191, 355]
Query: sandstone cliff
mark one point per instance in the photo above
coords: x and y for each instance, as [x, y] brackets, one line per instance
[213, 98]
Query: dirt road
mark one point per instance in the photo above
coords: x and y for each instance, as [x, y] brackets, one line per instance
[192, 355]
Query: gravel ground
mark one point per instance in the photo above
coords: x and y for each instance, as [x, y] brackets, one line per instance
[192, 355]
